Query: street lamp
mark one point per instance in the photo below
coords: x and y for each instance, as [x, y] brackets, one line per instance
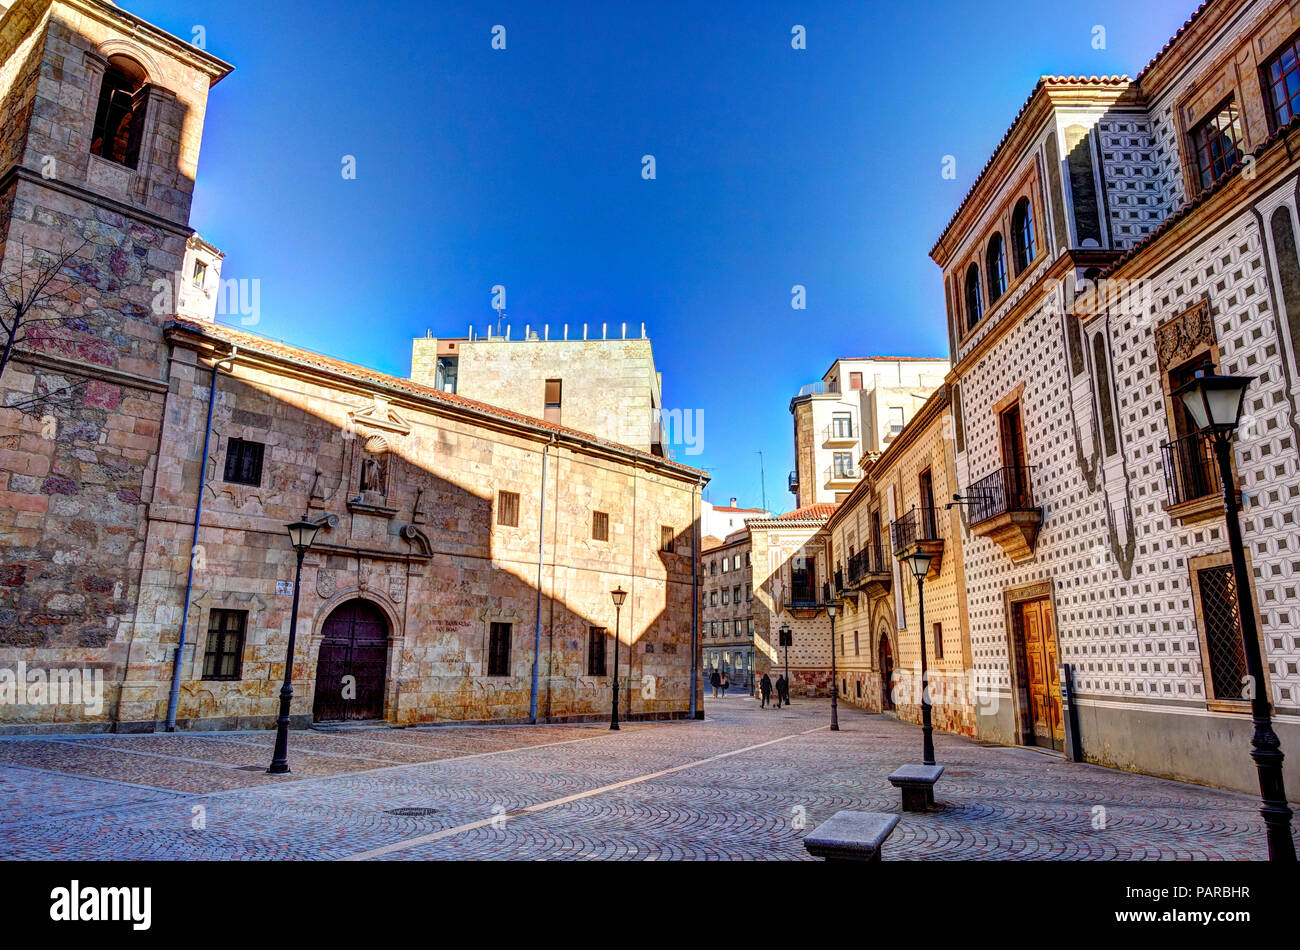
[618, 596]
[920, 565]
[787, 636]
[1215, 403]
[301, 534]
[831, 609]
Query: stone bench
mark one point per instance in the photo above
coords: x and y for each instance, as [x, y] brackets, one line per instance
[850, 836]
[917, 783]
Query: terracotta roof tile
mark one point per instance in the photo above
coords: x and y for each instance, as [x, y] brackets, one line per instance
[809, 512]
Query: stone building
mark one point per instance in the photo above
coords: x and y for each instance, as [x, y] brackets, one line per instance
[856, 409]
[151, 461]
[607, 386]
[722, 521]
[1094, 528]
[726, 609]
[900, 507]
[790, 571]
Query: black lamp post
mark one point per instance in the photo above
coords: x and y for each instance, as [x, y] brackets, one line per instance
[920, 565]
[831, 609]
[1215, 403]
[301, 534]
[618, 595]
[786, 635]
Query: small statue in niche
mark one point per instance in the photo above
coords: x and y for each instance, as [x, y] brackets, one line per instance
[372, 475]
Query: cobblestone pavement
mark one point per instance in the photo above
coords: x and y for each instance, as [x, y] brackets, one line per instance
[743, 784]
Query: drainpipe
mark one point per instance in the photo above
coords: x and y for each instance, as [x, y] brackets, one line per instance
[174, 698]
[695, 601]
[537, 629]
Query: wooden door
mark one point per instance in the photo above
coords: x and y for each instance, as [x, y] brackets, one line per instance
[1042, 675]
[351, 669]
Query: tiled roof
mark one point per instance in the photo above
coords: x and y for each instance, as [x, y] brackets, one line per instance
[364, 374]
[809, 512]
[997, 149]
[728, 508]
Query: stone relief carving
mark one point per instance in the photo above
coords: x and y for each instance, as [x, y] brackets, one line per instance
[1178, 338]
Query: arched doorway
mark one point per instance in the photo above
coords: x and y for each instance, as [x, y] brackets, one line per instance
[350, 671]
[886, 658]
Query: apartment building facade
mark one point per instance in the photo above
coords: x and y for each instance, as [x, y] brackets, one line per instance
[856, 409]
[727, 609]
[1124, 234]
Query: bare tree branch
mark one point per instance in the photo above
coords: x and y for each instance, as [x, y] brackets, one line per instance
[36, 291]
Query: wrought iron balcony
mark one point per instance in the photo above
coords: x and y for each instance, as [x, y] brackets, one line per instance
[918, 530]
[839, 432]
[1002, 508]
[1191, 470]
[793, 482]
[807, 599]
[870, 570]
[841, 473]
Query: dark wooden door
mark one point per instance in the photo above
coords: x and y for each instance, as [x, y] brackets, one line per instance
[1042, 675]
[886, 674]
[351, 667]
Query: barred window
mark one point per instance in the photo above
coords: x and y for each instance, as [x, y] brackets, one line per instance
[508, 509]
[499, 649]
[599, 526]
[1223, 647]
[243, 462]
[938, 641]
[596, 651]
[666, 536]
[225, 648]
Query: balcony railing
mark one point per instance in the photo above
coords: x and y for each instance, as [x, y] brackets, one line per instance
[811, 389]
[840, 430]
[842, 473]
[919, 524]
[870, 560]
[1191, 468]
[1004, 490]
[793, 483]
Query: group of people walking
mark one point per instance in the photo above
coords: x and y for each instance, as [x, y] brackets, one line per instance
[719, 681]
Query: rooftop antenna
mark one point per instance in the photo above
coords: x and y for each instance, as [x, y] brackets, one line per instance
[762, 477]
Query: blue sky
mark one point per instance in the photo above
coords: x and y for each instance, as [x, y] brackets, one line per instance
[522, 167]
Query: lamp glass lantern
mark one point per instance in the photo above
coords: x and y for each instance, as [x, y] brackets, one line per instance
[831, 610]
[302, 534]
[1215, 402]
[919, 562]
[618, 595]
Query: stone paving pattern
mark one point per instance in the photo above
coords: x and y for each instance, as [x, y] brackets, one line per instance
[739, 783]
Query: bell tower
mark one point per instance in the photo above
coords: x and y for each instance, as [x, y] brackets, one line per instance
[99, 146]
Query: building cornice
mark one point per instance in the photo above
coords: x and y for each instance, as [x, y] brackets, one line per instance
[110, 14]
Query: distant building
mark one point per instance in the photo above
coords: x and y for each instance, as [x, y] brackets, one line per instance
[720, 521]
[856, 410]
[726, 609]
[606, 387]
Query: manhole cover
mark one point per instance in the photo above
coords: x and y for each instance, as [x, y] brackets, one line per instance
[412, 812]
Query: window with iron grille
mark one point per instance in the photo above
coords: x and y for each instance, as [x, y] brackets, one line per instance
[244, 462]
[666, 536]
[499, 649]
[508, 509]
[596, 651]
[938, 641]
[1223, 647]
[1217, 140]
[599, 526]
[1282, 77]
[222, 658]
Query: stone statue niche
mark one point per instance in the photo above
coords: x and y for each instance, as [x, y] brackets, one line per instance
[374, 471]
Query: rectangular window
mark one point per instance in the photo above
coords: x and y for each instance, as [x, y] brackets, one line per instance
[895, 419]
[855, 380]
[749, 593]
[713, 599]
[222, 658]
[857, 645]
[596, 651]
[200, 272]
[735, 594]
[1217, 140]
[499, 649]
[599, 526]
[1282, 78]
[842, 426]
[508, 509]
[552, 413]
[843, 464]
[938, 641]
[666, 536]
[726, 564]
[243, 462]
[725, 601]
[1223, 648]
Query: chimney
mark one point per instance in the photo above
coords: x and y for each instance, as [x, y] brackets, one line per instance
[733, 503]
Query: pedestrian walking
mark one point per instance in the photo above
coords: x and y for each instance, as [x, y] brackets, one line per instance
[765, 687]
[780, 690]
[783, 689]
[715, 681]
[725, 684]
